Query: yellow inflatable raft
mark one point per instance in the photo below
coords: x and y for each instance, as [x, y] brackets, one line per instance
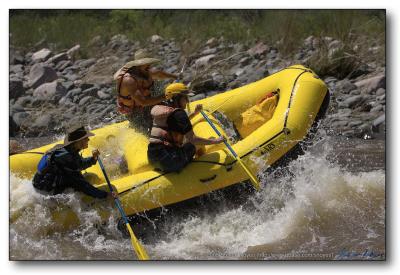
[271, 116]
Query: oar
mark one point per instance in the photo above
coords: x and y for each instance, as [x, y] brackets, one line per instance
[140, 252]
[253, 179]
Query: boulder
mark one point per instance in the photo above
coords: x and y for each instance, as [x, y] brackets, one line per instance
[52, 91]
[372, 84]
[41, 55]
[16, 88]
[40, 74]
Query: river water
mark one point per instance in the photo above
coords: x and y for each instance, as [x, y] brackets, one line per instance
[329, 204]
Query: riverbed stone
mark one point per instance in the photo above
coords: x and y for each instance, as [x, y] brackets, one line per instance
[372, 84]
[41, 73]
[16, 88]
[52, 91]
[41, 55]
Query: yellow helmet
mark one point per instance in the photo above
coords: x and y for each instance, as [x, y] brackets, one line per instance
[175, 89]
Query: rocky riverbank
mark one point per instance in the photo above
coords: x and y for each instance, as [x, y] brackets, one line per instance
[50, 90]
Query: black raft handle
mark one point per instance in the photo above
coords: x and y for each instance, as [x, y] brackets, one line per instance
[208, 179]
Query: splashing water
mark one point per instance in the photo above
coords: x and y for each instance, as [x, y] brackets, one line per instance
[316, 209]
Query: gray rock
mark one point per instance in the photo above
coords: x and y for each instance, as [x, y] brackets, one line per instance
[73, 51]
[372, 84]
[52, 91]
[354, 123]
[209, 51]
[20, 118]
[90, 92]
[16, 88]
[16, 108]
[74, 92]
[345, 86]
[16, 57]
[85, 100]
[205, 60]
[86, 63]
[212, 42]
[62, 65]
[353, 101]
[58, 57]
[376, 109]
[355, 92]
[85, 86]
[380, 91]
[44, 121]
[381, 97]
[245, 61]
[260, 49]
[13, 127]
[41, 55]
[378, 125]
[40, 74]
[103, 95]
[339, 124]
[23, 101]
[17, 69]
[68, 85]
[156, 38]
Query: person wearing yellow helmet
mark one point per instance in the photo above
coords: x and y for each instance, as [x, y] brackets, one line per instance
[172, 140]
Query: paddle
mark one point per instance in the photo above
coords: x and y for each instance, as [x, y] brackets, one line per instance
[140, 252]
[253, 179]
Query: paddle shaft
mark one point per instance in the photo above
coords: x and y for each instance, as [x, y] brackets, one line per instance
[140, 252]
[252, 177]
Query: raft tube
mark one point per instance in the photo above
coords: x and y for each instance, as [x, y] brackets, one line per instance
[141, 187]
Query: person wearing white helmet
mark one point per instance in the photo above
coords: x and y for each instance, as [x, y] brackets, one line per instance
[172, 140]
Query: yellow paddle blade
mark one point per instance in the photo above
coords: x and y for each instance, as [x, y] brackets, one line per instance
[140, 252]
[253, 179]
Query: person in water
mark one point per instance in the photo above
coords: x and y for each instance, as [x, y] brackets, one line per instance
[171, 125]
[133, 84]
[60, 168]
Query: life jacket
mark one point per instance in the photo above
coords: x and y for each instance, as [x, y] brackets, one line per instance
[178, 125]
[47, 160]
[125, 102]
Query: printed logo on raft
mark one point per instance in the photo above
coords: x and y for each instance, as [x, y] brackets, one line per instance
[267, 148]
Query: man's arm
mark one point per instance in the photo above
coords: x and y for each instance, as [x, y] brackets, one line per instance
[159, 75]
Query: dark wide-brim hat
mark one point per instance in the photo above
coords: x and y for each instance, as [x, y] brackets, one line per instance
[76, 134]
